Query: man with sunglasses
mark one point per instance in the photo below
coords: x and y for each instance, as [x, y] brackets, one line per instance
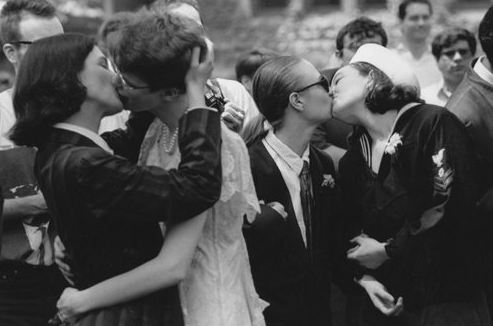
[30, 283]
[453, 50]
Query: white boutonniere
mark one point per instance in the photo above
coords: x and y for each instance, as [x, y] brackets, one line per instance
[438, 158]
[328, 181]
[394, 141]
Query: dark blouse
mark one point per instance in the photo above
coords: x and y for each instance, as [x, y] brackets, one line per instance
[422, 202]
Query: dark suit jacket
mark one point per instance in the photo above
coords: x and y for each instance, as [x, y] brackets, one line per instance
[298, 293]
[106, 208]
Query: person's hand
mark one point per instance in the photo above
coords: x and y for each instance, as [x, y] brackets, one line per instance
[70, 305]
[278, 207]
[368, 252]
[381, 299]
[61, 259]
[233, 116]
[198, 74]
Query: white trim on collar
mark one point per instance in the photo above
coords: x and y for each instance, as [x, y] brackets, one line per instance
[482, 71]
[86, 133]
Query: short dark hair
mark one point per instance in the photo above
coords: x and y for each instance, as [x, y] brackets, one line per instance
[403, 7]
[361, 27]
[385, 95]
[158, 47]
[48, 89]
[249, 62]
[111, 26]
[485, 34]
[13, 11]
[449, 37]
[273, 82]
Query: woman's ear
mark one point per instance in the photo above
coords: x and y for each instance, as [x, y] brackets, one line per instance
[370, 82]
[296, 101]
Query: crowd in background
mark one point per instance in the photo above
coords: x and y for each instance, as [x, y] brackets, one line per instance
[138, 190]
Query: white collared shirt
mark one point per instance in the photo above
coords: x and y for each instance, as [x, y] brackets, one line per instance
[86, 133]
[482, 71]
[290, 165]
[436, 94]
[425, 67]
[7, 119]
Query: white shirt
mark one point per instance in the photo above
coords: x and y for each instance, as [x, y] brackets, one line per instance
[290, 165]
[113, 122]
[7, 119]
[237, 94]
[483, 72]
[436, 94]
[425, 68]
[86, 133]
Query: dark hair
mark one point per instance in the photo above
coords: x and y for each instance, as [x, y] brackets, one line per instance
[48, 89]
[449, 37]
[273, 82]
[362, 27]
[403, 7]
[485, 34]
[249, 62]
[385, 96]
[158, 47]
[108, 30]
[253, 130]
[12, 13]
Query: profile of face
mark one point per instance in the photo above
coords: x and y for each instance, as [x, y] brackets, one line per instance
[31, 28]
[311, 98]
[348, 91]
[100, 83]
[416, 25]
[454, 60]
[352, 44]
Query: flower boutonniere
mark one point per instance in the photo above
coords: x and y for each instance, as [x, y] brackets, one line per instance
[394, 141]
[328, 181]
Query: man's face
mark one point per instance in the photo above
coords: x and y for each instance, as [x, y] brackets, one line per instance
[416, 24]
[31, 28]
[454, 60]
[352, 44]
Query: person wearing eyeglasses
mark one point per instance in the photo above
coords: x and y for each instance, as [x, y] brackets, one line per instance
[289, 250]
[453, 50]
[30, 283]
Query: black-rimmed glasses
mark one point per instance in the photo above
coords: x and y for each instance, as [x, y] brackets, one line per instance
[322, 81]
[126, 84]
[21, 42]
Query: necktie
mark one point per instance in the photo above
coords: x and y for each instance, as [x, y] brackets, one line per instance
[307, 206]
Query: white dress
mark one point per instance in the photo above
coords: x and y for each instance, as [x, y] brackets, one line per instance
[218, 289]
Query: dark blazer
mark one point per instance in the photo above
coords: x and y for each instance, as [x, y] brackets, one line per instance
[106, 208]
[298, 292]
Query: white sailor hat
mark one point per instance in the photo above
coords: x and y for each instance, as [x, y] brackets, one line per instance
[396, 68]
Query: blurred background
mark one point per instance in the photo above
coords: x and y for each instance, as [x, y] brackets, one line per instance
[302, 27]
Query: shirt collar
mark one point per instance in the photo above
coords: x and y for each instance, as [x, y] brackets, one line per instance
[285, 153]
[482, 71]
[86, 133]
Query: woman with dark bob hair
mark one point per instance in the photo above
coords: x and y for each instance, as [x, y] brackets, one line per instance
[409, 185]
[106, 209]
[289, 243]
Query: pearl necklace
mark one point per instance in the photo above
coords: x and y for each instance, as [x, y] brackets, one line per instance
[169, 142]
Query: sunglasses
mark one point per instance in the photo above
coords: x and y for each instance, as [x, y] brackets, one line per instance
[322, 81]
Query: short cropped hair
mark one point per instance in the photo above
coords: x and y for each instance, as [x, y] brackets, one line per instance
[448, 38]
[485, 34]
[157, 48]
[13, 11]
[361, 27]
[403, 7]
[249, 62]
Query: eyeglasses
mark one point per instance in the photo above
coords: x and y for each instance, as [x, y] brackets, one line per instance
[322, 81]
[21, 42]
[126, 84]
[451, 53]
